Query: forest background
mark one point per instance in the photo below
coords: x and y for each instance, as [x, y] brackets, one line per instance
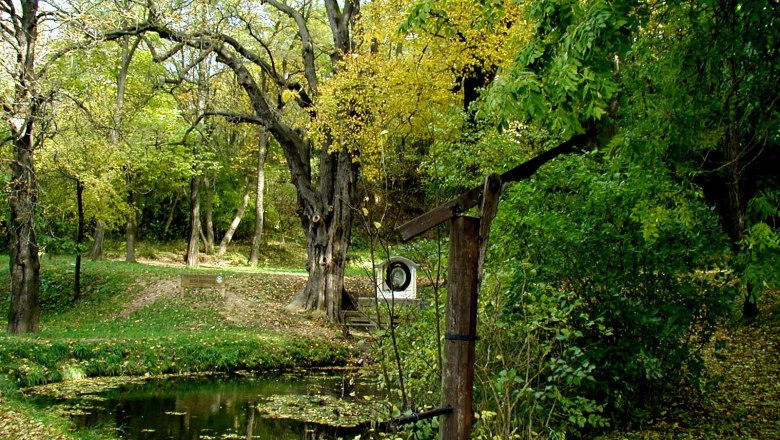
[608, 270]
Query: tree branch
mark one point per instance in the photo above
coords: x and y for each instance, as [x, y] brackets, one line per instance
[236, 117]
[157, 58]
[8, 7]
[83, 107]
[307, 45]
[261, 42]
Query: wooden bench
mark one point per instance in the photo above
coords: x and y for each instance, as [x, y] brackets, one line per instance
[202, 281]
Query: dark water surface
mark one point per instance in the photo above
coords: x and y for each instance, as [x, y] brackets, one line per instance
[222, 407]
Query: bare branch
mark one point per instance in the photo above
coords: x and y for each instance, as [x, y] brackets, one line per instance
[307, 45]
[61, 53]
[160, 58]
[236, 117]
[8, 7]
[261, 42]
[83, 107]
[5, 29]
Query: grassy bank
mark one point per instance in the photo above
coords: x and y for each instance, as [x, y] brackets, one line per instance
[132, 320]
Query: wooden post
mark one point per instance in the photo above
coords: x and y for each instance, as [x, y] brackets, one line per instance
[461, 328]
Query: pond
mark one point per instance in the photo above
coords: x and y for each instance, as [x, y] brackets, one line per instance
[303, 405]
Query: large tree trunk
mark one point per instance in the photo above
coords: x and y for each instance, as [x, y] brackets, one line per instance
[193, 243]
[25, 267]
[22, 114]
[254, 255]
[328, 235]
[324, 207]
[234, 224]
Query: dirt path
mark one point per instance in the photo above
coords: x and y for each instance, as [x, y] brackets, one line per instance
[254, 301]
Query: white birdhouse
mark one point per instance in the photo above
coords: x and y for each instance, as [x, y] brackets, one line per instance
[396, 278]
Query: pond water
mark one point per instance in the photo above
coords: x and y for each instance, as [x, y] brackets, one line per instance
[313, 405]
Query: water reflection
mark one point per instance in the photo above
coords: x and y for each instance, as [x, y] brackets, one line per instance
[208, 407]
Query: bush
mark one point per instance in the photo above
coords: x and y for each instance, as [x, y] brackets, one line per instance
[629, 249]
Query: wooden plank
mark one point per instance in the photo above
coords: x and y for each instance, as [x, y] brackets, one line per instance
[472, 197]
[440, 214]
[461, 328]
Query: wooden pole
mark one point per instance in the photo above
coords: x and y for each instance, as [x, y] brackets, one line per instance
[461, 328]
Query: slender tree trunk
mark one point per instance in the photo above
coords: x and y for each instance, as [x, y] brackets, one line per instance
[171, 214]
[193, 243]
[130, 229]
[208, 215]
[24, 110]
[79, 238]
[234, 224]
[254, 255]
[128, 49]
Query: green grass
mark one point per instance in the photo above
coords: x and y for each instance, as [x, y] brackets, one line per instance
[93, 337]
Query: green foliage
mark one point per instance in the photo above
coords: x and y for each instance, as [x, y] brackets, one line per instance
[530, 369]
[760, 248]
[637, 253]
[565, 76]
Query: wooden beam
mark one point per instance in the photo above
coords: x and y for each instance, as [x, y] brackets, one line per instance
[461, 329]
[487, 212]
[472, 197]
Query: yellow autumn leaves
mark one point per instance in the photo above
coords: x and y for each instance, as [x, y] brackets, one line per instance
[399, 88]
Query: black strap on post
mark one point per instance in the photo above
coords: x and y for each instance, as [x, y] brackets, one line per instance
[453, 337]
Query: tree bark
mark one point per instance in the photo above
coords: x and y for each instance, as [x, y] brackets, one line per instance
[328, 234]
[25, 267]
[22, 114]
[254, 255]
[234, 224]
[96, 252]
[208, 216]
[193, 243]
[171, 214]
[130, 229]
[79, 239]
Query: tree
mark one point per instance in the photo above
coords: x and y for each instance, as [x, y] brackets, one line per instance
[690, 85]
[23, 110]
[262, 152]
[325, 198]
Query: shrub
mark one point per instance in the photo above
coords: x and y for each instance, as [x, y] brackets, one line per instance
[630, 249]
